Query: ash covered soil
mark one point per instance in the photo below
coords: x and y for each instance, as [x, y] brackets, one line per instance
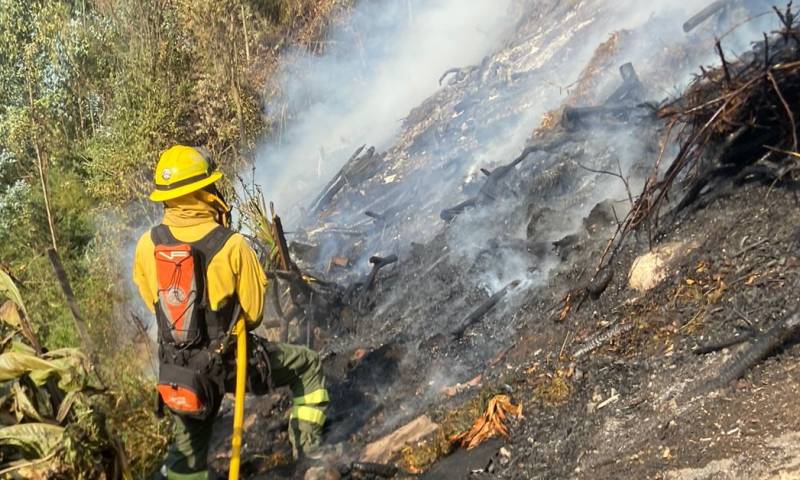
[631, 410]
[489, 299]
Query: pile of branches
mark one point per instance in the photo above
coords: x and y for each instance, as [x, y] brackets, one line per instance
[54, 413]
[737, 122]
[296, 295]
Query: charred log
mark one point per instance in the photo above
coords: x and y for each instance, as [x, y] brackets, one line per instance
[489, 190]
[356, 293]
[723, 344]
[377, 264]
[760, 349]
[483, 309]
[624, 104]
[704, 15]
[449, 214]
[377, 469]
[577, 116]
[361, 166]
[631, 91]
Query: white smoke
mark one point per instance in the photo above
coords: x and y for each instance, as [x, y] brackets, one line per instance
[385, 61]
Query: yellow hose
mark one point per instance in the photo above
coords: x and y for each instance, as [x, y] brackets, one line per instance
[238, 405]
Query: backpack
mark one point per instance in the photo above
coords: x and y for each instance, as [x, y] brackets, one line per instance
[192, 338]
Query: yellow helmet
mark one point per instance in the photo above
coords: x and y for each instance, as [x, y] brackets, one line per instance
[182, 170]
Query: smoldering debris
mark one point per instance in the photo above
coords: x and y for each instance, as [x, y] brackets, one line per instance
[739, 127]
[491, 189]
[625, 104]
[359, 168]
[406, 185]
[525, 216]
[482, 310]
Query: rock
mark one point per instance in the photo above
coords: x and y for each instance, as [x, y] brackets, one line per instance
[601, 217]
[382, 451]
[566, 245]
[535, 216]
[322, 473]
[338, 261]
[653, 267]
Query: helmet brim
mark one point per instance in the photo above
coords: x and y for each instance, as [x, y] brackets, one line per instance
[164, 195]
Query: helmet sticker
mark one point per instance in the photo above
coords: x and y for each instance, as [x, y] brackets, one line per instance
[166, 174]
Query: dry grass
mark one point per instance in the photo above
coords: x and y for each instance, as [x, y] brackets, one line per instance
[584, 90]
[417, 458]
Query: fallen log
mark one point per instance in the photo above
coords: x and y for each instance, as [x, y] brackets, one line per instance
[449, 214]
[574, 115]
[722, 344]
[704, 14]
[333, 187]
[482, 310]
[359, 167]
[623, 104]
[760, 349]
[377, 469]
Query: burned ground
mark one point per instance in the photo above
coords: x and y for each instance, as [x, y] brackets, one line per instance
[498, 287]
[657, 425]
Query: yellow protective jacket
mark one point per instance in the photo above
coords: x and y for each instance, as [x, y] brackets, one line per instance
[234, 269]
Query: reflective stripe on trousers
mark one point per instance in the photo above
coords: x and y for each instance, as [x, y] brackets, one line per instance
[187, 476]
[314, 398]
[305, 413]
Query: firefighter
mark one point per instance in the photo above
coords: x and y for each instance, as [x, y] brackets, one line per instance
[197, 277]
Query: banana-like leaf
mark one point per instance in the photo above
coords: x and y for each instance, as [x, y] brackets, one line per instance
[34, 439]
[10, 291]
[20, 347]
[24, 405]
[66, 406]
[9, 314]
[65, 364]
[6, 391]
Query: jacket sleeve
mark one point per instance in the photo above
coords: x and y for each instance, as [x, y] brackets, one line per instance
[144, 271]
[251, 284]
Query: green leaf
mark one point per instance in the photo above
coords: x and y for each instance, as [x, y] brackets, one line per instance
[34, 439]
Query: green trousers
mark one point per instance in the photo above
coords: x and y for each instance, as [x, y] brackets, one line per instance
[297, 367]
